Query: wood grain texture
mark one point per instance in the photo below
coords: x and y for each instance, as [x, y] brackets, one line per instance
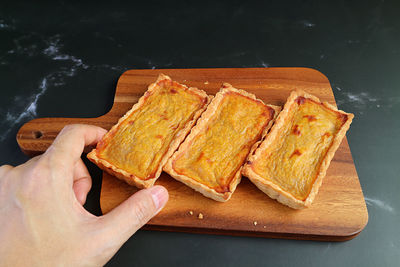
[338, 213]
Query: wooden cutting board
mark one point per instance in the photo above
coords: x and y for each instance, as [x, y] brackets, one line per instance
[338, 212]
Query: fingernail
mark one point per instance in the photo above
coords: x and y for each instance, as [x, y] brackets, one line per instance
[159, 195]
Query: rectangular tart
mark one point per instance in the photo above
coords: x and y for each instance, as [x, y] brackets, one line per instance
[138, 146]
[292, 160]
[211, 157]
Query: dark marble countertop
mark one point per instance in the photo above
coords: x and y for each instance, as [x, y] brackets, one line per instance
[63, 60]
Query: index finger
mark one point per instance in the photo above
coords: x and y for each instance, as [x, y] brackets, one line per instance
[70, 142]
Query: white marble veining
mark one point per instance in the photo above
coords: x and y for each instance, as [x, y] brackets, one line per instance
[29, 111]
[110, 67]
[154, 65]
[151, 64]
[27, 105]
[379, 204]
[358, 100]
[6, 25]
[327, 248]
[307, 24]
[353, 41]
[53, 51]
[31, 108]
[364, 100]
[264, 64]
[21, 48]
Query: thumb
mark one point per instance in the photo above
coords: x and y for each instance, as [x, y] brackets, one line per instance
[123, 221]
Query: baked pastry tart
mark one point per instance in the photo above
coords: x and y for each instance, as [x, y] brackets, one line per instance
[211, 157]
[138, 146]
[292, 160]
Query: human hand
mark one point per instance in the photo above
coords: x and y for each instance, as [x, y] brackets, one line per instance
[42, 220]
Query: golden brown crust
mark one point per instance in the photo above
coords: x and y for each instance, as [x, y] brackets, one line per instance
[179, 137]
[201, 124]
[272, 189]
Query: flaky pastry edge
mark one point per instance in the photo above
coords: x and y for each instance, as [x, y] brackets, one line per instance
[130, 178]
[201, 124]
[273, 190]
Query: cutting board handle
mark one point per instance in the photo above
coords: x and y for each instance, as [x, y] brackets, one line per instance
[35, 136]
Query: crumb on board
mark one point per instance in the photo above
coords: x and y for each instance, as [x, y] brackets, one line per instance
[200, 216]
[206, 82]
[265, 226]
[255, 223]
[191, 212]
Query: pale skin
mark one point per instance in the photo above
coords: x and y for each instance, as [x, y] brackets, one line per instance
[42, 219]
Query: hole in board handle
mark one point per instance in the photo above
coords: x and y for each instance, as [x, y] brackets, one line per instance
[37, 134]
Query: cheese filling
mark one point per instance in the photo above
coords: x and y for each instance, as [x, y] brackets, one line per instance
[143, 138]
[294, 158]
[218, 151]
